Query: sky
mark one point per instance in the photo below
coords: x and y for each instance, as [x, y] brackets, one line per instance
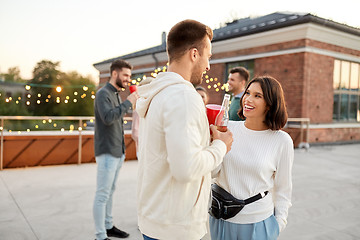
[79, 33]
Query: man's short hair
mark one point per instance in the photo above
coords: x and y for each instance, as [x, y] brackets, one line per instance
[242, 71]
[186, 35]
[119, 64]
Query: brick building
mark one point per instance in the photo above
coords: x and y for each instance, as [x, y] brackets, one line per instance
[316, 60]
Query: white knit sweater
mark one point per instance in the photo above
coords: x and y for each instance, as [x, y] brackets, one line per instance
[259, 161]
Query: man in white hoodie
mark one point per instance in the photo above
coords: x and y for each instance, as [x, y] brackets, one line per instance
[176, 156]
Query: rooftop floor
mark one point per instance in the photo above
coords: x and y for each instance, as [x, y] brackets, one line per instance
[56, 202]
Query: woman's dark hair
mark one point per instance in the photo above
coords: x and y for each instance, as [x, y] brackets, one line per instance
[276, 115]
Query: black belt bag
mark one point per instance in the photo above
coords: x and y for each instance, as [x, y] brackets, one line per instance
[225, 206]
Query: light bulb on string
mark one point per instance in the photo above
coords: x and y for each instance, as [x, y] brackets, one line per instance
[58, 89]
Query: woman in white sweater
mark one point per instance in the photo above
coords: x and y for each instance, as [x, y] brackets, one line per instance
[259, 162]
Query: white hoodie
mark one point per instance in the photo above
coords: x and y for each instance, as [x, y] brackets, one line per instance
[175, 159]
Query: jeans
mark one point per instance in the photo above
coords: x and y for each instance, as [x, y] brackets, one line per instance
[108, 168]
[267, 229]
[148, 238]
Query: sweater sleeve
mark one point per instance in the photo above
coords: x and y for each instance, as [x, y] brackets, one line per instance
[107, 112]
[184, 135]
[283, 182]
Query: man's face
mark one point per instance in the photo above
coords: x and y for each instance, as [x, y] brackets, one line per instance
[236, 83]
[202, 63]
[122, 77]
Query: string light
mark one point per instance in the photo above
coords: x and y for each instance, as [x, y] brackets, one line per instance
[58, 89]
[27, 87]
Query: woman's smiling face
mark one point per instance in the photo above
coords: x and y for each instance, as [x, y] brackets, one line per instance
[254, 104]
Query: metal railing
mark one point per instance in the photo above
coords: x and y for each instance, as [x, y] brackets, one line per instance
[68, 118]
[304, 143]
[304, 125]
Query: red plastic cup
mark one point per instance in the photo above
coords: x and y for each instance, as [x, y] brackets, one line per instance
[133, 88]
[212, 110]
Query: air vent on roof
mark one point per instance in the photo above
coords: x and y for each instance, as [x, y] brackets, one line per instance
[292, 17]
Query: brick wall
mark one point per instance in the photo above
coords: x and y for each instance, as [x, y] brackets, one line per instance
[334, 135]
[319, 93]
[289, 71]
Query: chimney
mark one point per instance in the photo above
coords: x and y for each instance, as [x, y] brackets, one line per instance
[163, 38]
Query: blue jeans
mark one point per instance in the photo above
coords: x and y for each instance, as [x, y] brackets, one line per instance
[108, 168]
[148, 238]
[267, 229]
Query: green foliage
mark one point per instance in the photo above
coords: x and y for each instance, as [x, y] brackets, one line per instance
[11, 108]
[13, 75]
[53, 103]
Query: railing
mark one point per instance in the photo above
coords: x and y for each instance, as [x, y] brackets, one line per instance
[47, 118]
[304, 143]
[304, 126]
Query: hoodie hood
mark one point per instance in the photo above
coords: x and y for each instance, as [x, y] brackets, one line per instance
[153, 86]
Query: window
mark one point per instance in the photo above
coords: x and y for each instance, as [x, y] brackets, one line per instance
[346, 91]
[249, 65]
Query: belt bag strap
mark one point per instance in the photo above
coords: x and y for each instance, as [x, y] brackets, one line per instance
[255, 198]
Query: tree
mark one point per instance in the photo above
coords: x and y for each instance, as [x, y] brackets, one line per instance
[45, 76]
[13, 75]
[83, 105]
[71, 100]
[12, 107]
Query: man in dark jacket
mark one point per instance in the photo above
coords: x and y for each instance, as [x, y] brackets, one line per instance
[109, 145]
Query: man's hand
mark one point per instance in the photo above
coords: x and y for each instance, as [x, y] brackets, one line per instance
[226, 137]
[132, 98]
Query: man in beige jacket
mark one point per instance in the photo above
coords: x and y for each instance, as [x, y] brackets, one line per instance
[176, 156]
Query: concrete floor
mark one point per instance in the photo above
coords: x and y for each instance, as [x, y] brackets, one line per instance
[56, 202]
